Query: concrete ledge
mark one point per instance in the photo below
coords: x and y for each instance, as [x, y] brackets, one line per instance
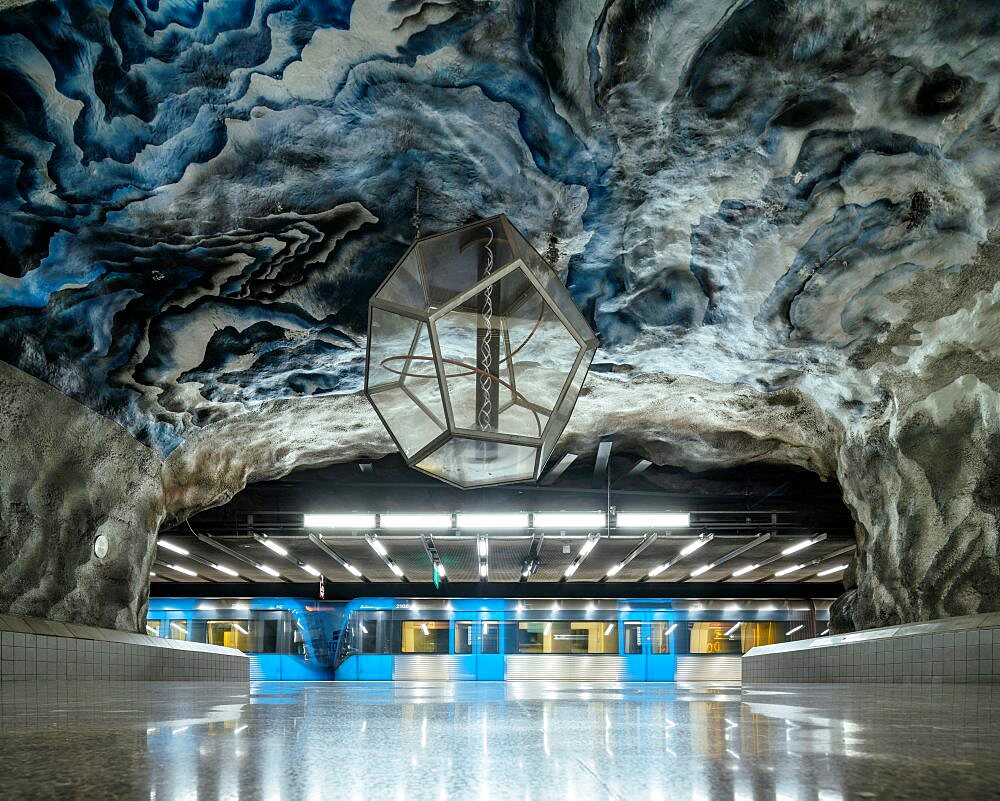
[32, 649]
[954, 650]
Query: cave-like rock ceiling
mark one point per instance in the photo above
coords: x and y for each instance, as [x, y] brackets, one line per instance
[198, 199]
[779, 217]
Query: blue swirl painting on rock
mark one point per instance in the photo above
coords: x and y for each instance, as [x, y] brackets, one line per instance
[198, 198]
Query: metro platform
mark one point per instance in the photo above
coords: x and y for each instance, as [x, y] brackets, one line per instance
[524, 741]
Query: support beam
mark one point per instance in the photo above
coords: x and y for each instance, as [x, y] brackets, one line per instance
[601, 462]
[434, 556]
[238, 556]
[166, 565]
[827, 558]
[638, 469]
[558, 469]
[648, 540]
[758, 540]
[317, 540]
[530, 562]
[289, 557]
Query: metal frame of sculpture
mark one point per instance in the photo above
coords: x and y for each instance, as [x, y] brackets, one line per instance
[476, 355]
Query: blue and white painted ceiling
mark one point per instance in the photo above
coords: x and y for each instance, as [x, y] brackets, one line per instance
[198, 198]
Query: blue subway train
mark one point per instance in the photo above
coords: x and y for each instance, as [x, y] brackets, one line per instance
[413, 639]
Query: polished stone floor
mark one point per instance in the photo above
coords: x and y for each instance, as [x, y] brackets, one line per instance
[525, 742]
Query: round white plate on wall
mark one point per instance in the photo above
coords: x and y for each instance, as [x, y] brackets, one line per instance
[101, 546]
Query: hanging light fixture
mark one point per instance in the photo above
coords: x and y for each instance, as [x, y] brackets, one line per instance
[476, 355]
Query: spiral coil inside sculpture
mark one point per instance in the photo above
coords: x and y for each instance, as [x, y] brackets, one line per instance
[476, 355]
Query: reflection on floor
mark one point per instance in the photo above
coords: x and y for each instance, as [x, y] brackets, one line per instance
[529, 742]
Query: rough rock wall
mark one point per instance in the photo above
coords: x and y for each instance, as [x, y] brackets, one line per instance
[68, 475]
[924, 487]
[921, 473]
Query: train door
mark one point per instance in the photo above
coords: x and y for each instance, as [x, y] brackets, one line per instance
[489, 656]
[633, 633]
[661, 648]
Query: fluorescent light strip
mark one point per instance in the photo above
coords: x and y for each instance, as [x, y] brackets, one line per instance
[608, 629]
[352, 569]
[424, 630]
[670, 630]
[830, 570]
[733, 629]
[268, 569]
[272, 545]
[547, 630]
[703, 569]
[377, 546]
[652, 520]
[790, 632]
[181, 628]
[441, 571]
[587, 547]
[183, 570]
[489, 521]
[346, 521]
[824, 632]
[799, 546]
[657, 570]
[312, 571]
[571, 569]
[570, 520]
[396, 569]
[786, 570]
[227, 570]
[689, 549]
[483, 569]
[240, 628]
[744, 570]
[431, 521]
[484, 547]
[615, 569]
[171, 547]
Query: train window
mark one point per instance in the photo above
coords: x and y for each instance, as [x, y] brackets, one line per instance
[660, 638]
[178, 630]
[266, 635]
[633, 638]
[712, 637]
[425, 637]
[510, 637]
[463, 637]
[368, 634]
[761, 633]
[230, 633]
[568, 637]
[153, 628]
[491, 637]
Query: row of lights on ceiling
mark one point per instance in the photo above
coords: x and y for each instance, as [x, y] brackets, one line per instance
[487, 521]
[483, 552]
[431, 522]
[689, 549]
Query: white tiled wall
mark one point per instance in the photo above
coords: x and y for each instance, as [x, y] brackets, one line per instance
[958, 650]
[33, 649]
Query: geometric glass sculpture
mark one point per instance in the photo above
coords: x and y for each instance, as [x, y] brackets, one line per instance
[476, 355]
